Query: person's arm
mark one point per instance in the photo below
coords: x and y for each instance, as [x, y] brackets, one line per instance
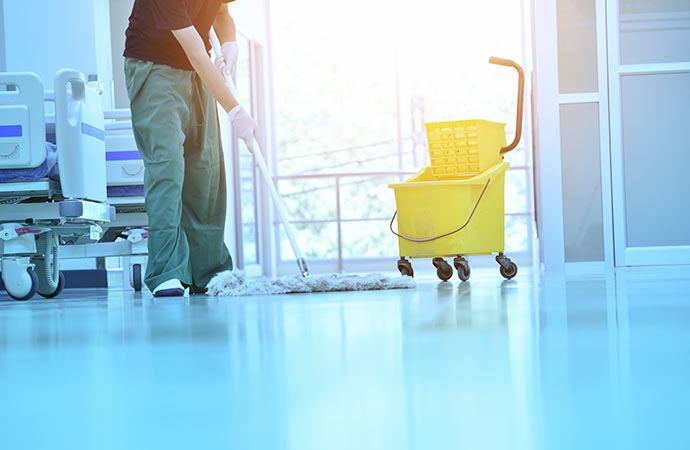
[242, 123]
[194, 48]
[224, 25]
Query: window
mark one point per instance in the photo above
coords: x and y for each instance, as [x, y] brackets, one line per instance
[351, 93]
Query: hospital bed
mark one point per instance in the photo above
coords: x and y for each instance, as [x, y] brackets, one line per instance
[52, 178]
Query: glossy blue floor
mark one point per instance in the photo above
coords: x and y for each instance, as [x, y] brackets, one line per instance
[545, 362]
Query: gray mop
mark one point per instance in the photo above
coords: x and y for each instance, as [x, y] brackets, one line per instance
[235, 282]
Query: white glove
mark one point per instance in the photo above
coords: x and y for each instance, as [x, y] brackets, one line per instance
[226, 62]
[242, 124]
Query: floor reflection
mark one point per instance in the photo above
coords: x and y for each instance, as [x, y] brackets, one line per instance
[536, 362]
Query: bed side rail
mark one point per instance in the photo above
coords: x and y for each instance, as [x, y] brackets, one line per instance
[22, 125]
[80, 133]
[124, 164]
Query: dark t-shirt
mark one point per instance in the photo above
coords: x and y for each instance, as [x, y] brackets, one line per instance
[149, 35]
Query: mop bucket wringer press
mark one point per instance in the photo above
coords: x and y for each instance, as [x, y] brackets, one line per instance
[455, 207]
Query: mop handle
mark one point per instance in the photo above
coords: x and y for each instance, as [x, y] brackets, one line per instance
[255, 149]
[280, 207]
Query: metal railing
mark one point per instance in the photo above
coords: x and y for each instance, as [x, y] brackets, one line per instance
[340, 150]
[337, 177]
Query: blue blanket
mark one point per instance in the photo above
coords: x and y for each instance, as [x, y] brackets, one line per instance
[49, 169]
[126, 191]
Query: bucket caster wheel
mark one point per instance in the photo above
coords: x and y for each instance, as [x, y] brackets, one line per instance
[443, 269]
[136, 277]
[508, 268]
[463, 268]
[405, 268]
[510, 273]
[23, 287]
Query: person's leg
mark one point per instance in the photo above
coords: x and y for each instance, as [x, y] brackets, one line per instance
[204, 194]
[159, 97]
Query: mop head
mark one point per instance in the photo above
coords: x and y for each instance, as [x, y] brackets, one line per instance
[235, 283]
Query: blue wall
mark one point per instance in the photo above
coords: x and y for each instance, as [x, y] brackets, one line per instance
[45, 36]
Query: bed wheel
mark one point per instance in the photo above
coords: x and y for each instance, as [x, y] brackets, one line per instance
[136, 277]
[58, 289]
[20, 281]
[50, 280]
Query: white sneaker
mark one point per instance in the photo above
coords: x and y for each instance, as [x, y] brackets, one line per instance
[170, 288]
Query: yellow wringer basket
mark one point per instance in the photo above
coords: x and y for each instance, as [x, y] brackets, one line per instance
[464, 148]
[455, 207]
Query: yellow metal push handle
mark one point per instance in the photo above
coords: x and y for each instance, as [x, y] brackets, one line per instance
[521, 98]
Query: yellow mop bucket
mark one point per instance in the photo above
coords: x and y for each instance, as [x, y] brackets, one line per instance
[455, 208]
[428, 207]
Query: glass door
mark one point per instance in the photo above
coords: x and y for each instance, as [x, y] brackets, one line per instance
[649, 77]
[245, 186]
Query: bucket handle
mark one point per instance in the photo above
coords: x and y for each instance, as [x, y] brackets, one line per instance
[520, 99]
[407, 238]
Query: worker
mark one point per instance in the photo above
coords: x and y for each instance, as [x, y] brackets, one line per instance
[173, 87]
